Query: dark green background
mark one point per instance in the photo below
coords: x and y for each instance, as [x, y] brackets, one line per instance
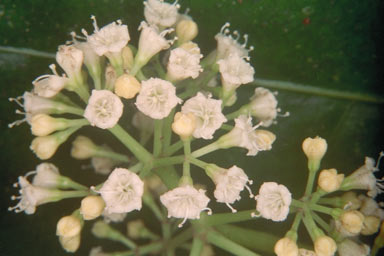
[339, 49]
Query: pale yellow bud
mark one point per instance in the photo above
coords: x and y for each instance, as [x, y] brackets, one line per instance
[43, 124]
[305, 252]
[325, 246]
[352, 221]
[83, 148]
[370, 226]
[68, 226]
[186, 30]
[127, 86]
[134, 229]
[70, 244]
[286, 247]
[92, 207]
[352, 202]
[329, 180]
[184, 124]
[190, 47]
[314, 148]
[45, 147]
[265, 139]
[127, 57]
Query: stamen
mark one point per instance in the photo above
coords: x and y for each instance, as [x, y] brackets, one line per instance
[19, 112]
[381, 154]
[286, 114]
[255, 215]
[17, 123]
[30, 173]
[230, 207]
[245, 40]
[182, 223]
[17, 100]
[94, 23]
[93, 188]
[257, 126]
[236, 34]
[53, 68]
[251, 195]
[224, 28]
[15, 185]
[119, 22]
[166, 31]
[187, 11]
[209, 210]
[84, 32]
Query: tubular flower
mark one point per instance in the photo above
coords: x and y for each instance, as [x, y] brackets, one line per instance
[273, 201]
[110, 38]
[183, 64]
[246, 136]
[70, 59]
[227, 45]
[48, 86]
[160, 13]
[104, 109]
[208, 114]
[122, 191]
[46, 175]
[185, 202]
[263, 106]
[157, 98]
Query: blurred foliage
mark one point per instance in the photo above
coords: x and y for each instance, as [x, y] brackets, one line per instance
[331, 44]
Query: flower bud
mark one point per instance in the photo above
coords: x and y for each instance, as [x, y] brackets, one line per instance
[101, 229]
[350, 248]
[314, 148]
[70, 244]
[127, 86]
[265, 139]
[127, 57]
[68, 226]
[286, 247]
[83, 148]
[352, 221]
[135, 228]
[371, 225]
[325, 246]
[92, 207]
[45, 147]
[305, 252]
[184, 124]
[43, 124]
[329, 180]
[186, 30]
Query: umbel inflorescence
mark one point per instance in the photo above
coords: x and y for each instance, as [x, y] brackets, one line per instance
[178, 96]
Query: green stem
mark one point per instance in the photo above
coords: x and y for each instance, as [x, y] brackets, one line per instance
[187, 153]
[65, 183]
[136, 168]
[168, 176]
[197, 247]
[27, 51]
[224, 243]
[205, 150]
[310, 225]
[334, 212]
[180, 238]
[317, 195]
[225, 218]
[241, 111]
[173, 148]
[141, 250]
[296, 222]
[333, 201]
[198, 162]
[321, 222]
[81, 91]
[148, 201]
[157, 138]
[167, 131]
[102, 152]
[310, 181]
[139, 151]
[72, 194]
[307, 89]
[167, 161]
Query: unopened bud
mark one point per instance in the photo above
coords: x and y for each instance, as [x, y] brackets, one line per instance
[314, 149]
[370, 226]
[92, 207]
[352, 221]
[325, 246]
[184, 124]
[70, 244]
[68, 226]
[351, 201]
[286, 247]
[43, 124]
[329, 180]
[83, 148]
[351, 248]
[186, 30]
[265, 139]
[45, 147]
[127, 86]
[128, 58]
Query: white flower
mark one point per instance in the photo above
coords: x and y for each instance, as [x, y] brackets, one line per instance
[263, 106]
[185, 202]
[227, 45]
[109, 39]
[208, 114]
[32, 196]
[229, 183]
[104, 109]
[103, 165]
[70, 59]
[150, 43]
[34, 104]
[364, 178]
[47, 175]
[244, 135]
[183, 64]
[369, 207]
[91, 59]
[157, 98]
[48, 86]
[273, 201]
[122, 191]
[160, 13]
[235, 71]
